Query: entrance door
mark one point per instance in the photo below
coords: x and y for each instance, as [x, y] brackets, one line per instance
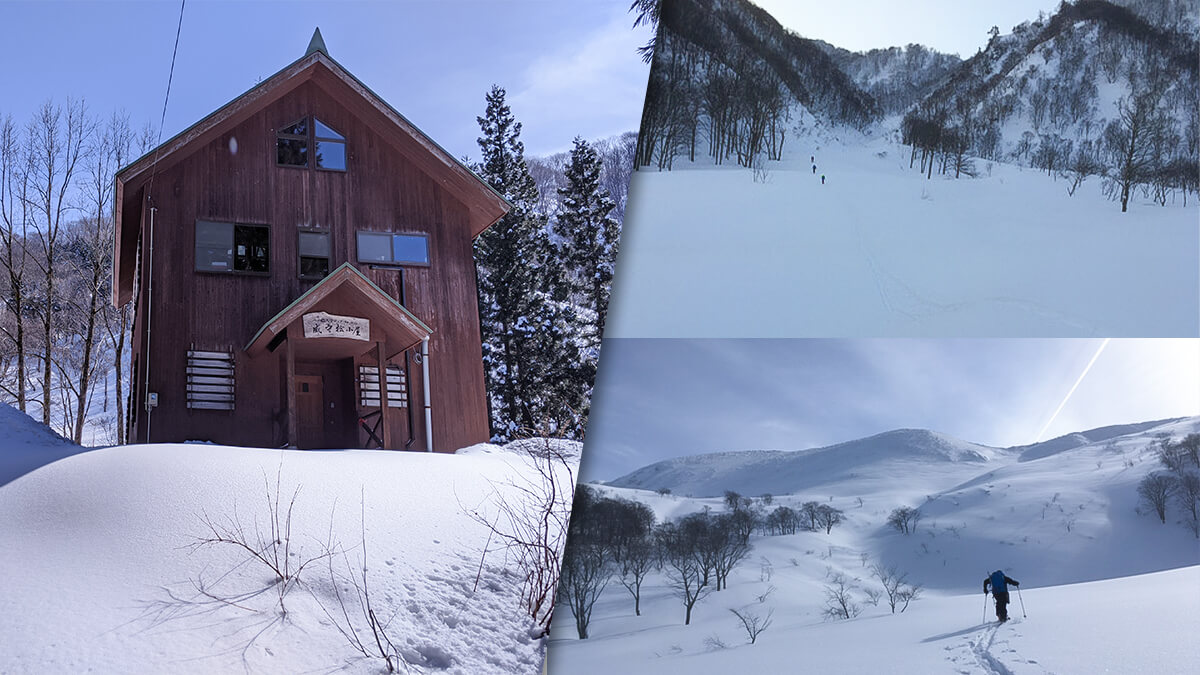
[310, 408]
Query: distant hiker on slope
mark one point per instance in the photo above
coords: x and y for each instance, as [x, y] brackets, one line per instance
[822, 179]
[999, 582]
[814, 169]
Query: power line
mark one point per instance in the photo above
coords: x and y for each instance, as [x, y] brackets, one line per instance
[162, 120]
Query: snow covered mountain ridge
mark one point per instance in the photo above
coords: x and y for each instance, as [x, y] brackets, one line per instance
[874, 458]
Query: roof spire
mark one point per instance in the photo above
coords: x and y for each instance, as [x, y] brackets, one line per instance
[317, 44]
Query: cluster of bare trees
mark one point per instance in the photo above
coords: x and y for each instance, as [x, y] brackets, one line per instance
[616, 538]
[811, 516]
[608, 537]
[1179, 484]
[59, 336]
[939, 141]
[1150, 141]
[739, 111]
[894, 587]
[904, 519]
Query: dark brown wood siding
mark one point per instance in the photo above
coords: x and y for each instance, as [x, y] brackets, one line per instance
[235, 179]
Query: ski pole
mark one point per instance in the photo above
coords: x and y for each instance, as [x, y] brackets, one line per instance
[984, 619]
[1023, 614]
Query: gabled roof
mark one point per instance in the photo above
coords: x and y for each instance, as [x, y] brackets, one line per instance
[484, 204]
[356, 293]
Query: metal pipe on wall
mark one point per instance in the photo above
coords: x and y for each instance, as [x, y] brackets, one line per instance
[425, 387]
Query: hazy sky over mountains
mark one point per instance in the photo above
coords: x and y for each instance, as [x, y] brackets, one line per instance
[953, 26]
[660, 398]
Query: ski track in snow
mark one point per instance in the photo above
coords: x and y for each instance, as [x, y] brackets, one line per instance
[981, 648]
[898, 297]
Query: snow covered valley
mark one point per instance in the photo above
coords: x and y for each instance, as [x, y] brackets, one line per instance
[1105, 587]
[878, 250]
[106, 571]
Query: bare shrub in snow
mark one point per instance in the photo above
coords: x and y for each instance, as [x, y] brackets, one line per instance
[895, 586]
[270, 547]
[873, 596]
[714, 642]
[752, 623]
[530, 522]
[839, 598]
[355, 615]
[765, 569]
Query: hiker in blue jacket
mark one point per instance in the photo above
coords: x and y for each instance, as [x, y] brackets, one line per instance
[999, 583]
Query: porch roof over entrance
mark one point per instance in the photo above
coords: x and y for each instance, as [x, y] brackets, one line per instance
[348, 293]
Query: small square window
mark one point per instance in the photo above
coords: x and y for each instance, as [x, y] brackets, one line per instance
[314, 255]
[410, 248]
[374, 247]
[292, 152]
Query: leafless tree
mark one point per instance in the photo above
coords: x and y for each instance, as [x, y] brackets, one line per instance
[827, 517]
[754, 624]
[91, 251]
[839, 598]
[59, 144]
[685, 570]
[895, 586]
[640, 557]
[585, 573]
[904, 519]
[1188, 497]
[1156, 490]
[1131, 140]
[15, 201]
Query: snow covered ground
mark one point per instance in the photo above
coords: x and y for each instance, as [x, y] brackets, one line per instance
[1104, 588]
[102, 575]
[878, 250]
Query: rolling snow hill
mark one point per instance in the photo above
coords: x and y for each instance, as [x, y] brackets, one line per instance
[782, 472]
[103, 572]
[1104, 588]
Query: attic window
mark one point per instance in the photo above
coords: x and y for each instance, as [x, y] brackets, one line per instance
[331, 147]
[293, 142]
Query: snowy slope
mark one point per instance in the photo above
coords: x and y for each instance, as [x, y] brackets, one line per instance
[1106, 589]
[26, 444]
[782, 472]
[1141, 624]
[102, 575]
[878, 250]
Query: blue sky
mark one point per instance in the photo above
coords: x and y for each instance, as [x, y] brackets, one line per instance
[569, 68]
[660, 398]
[952, 26]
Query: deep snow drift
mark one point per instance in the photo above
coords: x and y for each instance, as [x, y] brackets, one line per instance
[1105, 589]
[101, 575]
[27, 444]
[878, 250]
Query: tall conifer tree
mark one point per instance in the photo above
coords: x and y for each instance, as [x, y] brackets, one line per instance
[524, 315]
[588, 237]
